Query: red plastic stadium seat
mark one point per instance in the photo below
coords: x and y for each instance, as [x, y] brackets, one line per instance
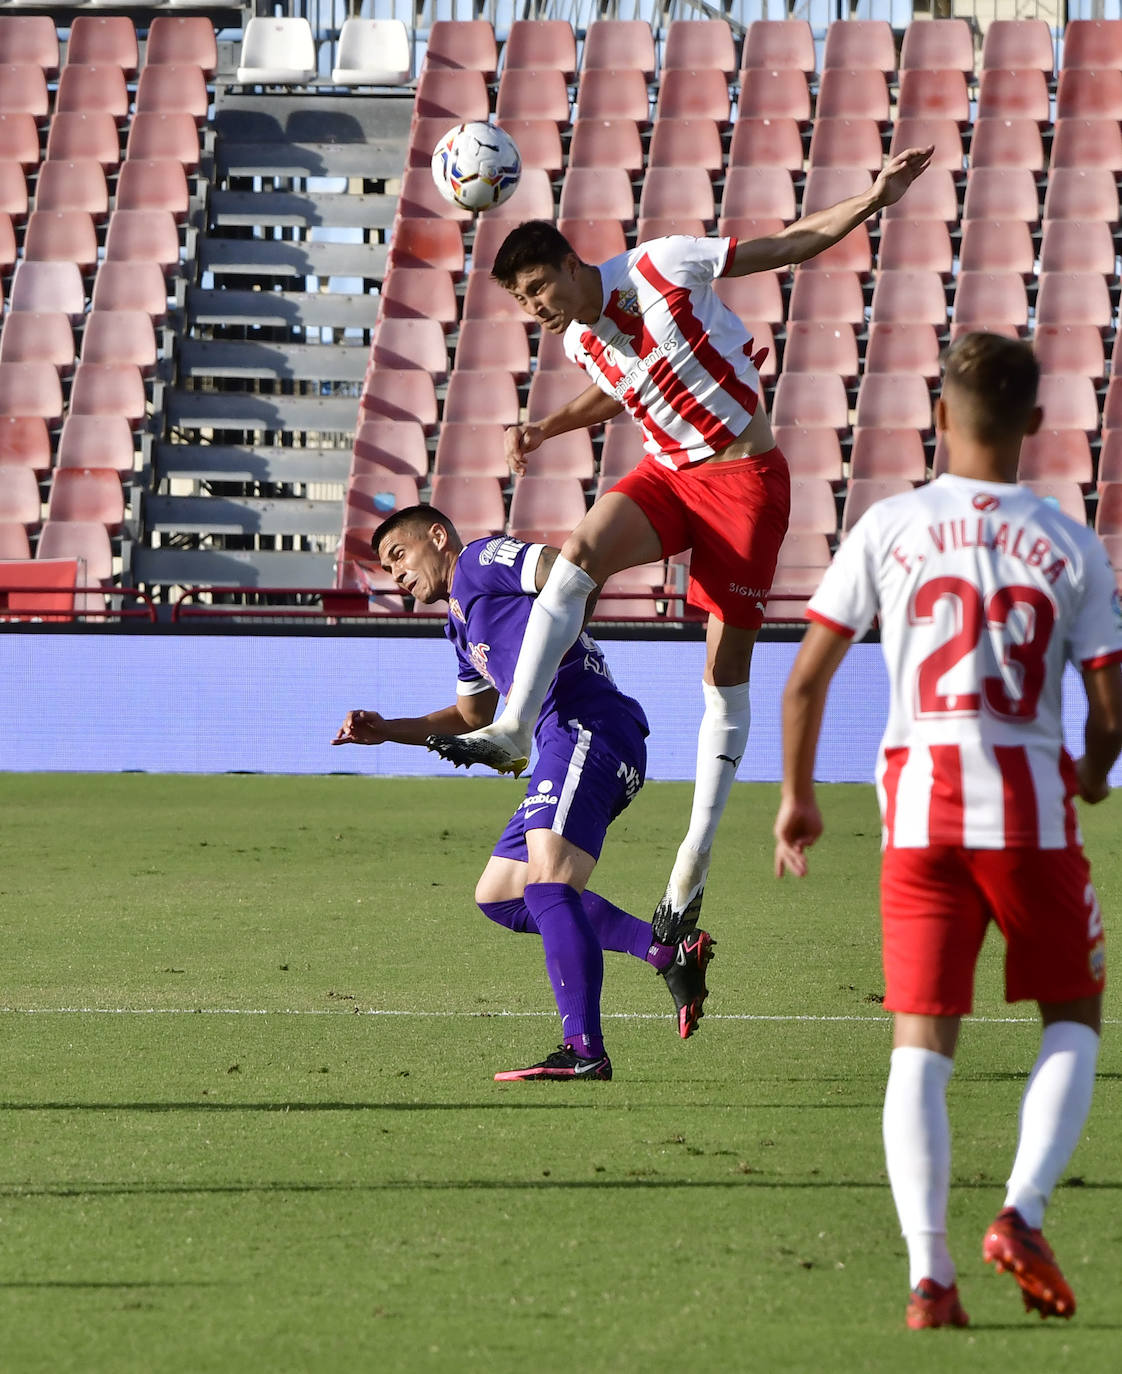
[766, 143]
[1011, 94]
[931, 196]
[485, 299]
[525, 94]
[693, 95]
[628, 595]
[73, 185]
[826, 186]
[1087, 143]
[757, 299]
[398, 394]
[983, 300]
[93, 494]
[915, 245]
[865, 492]
[97, 441]
[419, 293]
[31, 389]
[845, 93]
[94, 88]
[143, 236]
[120, 336]
[1072, 245]
[1066, 495]
[1083, 93]
[457, 96]
[546, 509]
[677, 192]
[165, 136]
[939, 45]
[775, 94]
[699, 44]
[14, 545]
[19, 140]
[538, 43]
[1073, 298]
[48, 286]
[539, 144]
[38, 337]
[473, 504]
[566, 455]
[622, 450]
[76, 134]
[470, 450]
[153, 184]
[23, 89]
[833, 296]
[1110, 468]
[532, 199]
[131, 286]
[903, 347]
[1020, 43]
[994, 245]
[820, 346]
[687, 143]
[84, 539]
[395, 444]
[934, 95]
[25, 442]
[1056, 454]
[423, 242]
[776, 43]
[1007, 143]
[8, 249]
[1001, 193]
[810, 401]
[29, 38]
[804, 549]
[1093, 43]
[410, 343]
[619, 44]
[910, 298]
[374, 493]
[109, 389]
[813, 510]
[597, 193]
[177, 88]
[1070, 348]
[550, 390]
[481, 398]
[1081, 193]
[857, 43]
[61, 236]
[851, 254]
[893, 401]
[462, 45]
[846, 143]
[593, 240]
[764, 192]
[181, 38]
[420, 199]
[1108, 516]
[13, 191]
[604, 94]
[810, 452]
[884, 452]
[1068, 402]
[103, 38]
[19, 497]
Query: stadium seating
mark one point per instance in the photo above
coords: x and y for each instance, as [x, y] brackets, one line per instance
[25, 442]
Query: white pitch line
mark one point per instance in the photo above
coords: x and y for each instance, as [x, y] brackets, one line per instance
[477, 1015]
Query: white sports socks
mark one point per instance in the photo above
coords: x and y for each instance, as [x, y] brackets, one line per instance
[917, 1151]
[721, 738]
[1054, 1110]
[556, 619]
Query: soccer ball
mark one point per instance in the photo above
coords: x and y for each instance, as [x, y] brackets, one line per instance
[476, 166]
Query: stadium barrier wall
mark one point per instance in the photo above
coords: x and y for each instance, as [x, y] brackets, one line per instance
[271, 704]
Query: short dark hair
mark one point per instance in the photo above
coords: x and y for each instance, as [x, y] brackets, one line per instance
[535, 243]
[994, 382]
[415, 518]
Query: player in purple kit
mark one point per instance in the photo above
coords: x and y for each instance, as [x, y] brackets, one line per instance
[591, 743]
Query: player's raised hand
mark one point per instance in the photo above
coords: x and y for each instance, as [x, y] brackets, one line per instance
[362, 727]
[900, 171]
[520, 440]
[797, 826]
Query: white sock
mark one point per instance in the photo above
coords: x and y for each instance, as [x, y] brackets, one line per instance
[556, 619]
[1054, 1110]
[721, 738]
[917, 1151]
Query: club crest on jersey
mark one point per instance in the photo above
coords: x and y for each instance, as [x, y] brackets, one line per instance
[456, 610]
[478, 655]
[627, 300]
[984, 500]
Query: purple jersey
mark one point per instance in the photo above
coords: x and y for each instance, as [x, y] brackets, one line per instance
[493, 588]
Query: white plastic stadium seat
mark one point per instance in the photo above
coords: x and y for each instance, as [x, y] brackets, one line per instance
[373, 52]
[277, 52]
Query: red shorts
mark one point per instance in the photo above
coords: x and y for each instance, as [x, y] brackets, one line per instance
[732, 516]
[936, 904]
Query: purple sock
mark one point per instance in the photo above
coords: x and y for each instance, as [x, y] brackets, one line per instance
[617, 930]
[512, 914]
[574, 962]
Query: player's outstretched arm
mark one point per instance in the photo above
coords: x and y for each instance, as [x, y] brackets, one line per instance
[591, 407]
[811, 235]
[469, 713]
[799, 822]
[1103, 733]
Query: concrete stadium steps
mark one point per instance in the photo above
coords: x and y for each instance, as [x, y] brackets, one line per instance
[311, 136]
[271, 464]
[260, 414]
[281, 361]
[245, 257]
[300, 209]
[174, 567]
[293, 310]
[241, 515]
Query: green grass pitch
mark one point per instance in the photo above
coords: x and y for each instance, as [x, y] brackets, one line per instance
[215, 1156]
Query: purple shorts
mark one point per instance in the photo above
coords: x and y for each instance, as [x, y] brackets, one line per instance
[583, 778]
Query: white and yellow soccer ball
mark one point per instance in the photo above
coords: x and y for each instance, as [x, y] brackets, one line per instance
[476, 166]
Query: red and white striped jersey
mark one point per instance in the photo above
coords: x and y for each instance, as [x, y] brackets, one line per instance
[669, 349]
[984, 593]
